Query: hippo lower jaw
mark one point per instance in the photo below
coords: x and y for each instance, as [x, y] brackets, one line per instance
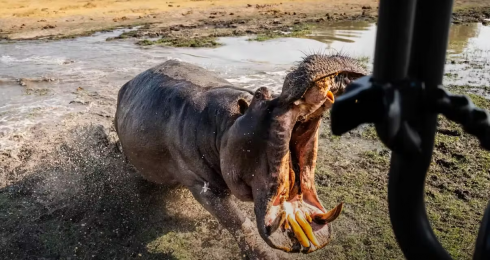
[295, 220]
[295, 225]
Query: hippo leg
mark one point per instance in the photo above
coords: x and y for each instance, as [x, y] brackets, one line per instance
[223, 208]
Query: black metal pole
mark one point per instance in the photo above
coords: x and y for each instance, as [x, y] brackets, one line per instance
[403, 99]
[393, 37]
[407, 174]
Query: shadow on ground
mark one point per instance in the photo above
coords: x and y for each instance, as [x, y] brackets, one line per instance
[83, 201]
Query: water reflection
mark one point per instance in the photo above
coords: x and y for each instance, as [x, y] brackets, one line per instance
[355, 38]
[358, 38]
[459, 36]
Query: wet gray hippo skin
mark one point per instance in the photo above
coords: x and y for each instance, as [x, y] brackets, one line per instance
[181, 124]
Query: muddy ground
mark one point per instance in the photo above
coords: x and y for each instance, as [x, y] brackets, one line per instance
[69, 194]
[183, 19]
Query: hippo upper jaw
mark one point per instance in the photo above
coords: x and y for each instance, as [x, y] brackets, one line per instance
[271, 151]
[290, 216]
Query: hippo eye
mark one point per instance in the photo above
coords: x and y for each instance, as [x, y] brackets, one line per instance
[258, 95]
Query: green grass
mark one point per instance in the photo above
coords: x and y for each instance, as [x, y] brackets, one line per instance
[182, 42]
[355, 169]
[297, 31]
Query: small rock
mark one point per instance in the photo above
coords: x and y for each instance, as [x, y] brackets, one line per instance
[366, 7]
[231, 13]
[249, 5]
[80, 102]
[320, 20]
[170, 6]
[485, 23]
[49, 27]
[212, 16]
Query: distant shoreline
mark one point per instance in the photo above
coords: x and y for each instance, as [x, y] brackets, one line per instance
[191, 19]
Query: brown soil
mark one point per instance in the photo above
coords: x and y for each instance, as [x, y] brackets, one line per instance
[30, 19]
[68, 193]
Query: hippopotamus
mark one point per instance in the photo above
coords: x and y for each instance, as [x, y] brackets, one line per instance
[180, 124]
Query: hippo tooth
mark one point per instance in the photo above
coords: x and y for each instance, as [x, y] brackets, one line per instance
[330, 215]
[300, 235]
[283, 222]
[330, 96]
[308, 216]
[306, 228]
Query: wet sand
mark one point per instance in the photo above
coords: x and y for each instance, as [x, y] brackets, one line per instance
[31, 19]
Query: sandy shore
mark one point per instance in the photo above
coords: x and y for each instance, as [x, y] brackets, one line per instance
[30, 19]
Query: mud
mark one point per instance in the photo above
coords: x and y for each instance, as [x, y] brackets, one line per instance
[69, 193]
[195, 19]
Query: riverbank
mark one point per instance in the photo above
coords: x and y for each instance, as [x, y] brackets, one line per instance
[76, 197]
[201, 19]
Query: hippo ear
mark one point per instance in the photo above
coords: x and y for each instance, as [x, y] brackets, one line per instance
[242, 105]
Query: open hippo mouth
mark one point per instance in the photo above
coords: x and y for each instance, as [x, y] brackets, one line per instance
[295, 220]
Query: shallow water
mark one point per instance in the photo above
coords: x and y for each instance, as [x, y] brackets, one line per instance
[55, 72]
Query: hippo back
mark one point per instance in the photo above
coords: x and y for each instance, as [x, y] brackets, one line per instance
[172, 116]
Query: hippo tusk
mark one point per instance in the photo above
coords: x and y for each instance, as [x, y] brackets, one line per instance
[306, 228]
[283, 221]
[308, 217]
[330, 96]
[300, 235]
[329, 216]
[292, 182]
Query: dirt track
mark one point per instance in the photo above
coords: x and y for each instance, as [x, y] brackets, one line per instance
[30, 19]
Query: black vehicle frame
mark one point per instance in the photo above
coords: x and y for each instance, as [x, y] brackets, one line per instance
[406, 87]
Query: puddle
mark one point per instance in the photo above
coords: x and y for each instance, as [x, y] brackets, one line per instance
[101, 67]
